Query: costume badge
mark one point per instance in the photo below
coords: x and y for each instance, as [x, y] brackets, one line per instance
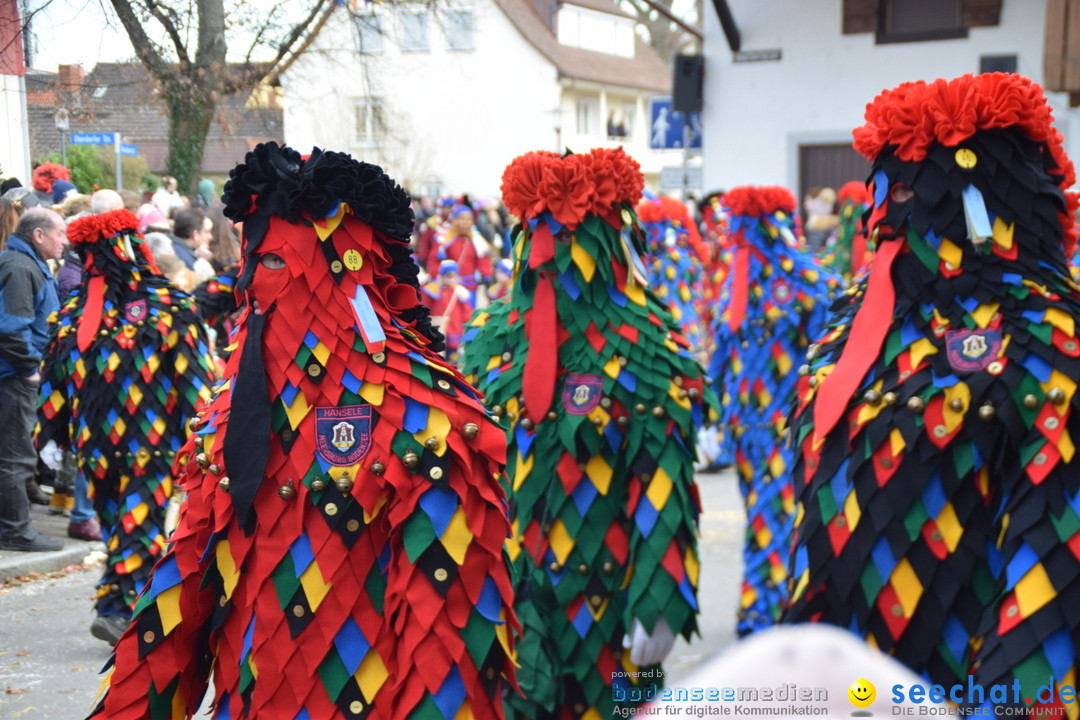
[343, 434]
[972, 350]
[581, 393]
[782, 292]
[135, 310]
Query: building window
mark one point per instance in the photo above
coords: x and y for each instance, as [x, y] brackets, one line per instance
[997, 63]
[414, 35]
[369, 128]
[459, 30]
[370, 32]
[584, 117]
[914, 20]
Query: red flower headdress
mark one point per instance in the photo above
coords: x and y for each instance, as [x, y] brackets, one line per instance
[46, 174]
[753, 201]
[854, 192]
[571, 186]
[914, 115]
[666, 208]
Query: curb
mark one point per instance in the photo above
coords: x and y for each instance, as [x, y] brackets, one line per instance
[26, 563]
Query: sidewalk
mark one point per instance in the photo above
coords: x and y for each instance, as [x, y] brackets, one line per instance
[14, 563]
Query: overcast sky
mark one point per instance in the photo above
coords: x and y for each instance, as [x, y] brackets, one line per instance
[70, 32]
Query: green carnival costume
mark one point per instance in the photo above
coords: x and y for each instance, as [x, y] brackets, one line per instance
[602, 400]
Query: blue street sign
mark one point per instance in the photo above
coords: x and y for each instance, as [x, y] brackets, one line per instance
[126, 149]
[666, 126]
[93, 138]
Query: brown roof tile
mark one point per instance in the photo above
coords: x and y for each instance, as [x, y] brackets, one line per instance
[122, 97]
[645, 71]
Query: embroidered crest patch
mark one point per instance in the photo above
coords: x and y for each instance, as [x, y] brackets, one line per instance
[343, 434]
[135, 310]
[782, 292]
[972, 350]
[581, 393]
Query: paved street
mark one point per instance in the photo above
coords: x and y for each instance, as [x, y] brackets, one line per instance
[49, 661]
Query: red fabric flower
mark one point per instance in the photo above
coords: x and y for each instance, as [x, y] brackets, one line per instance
[568, 190]
[752, 201]
[91, 228]
[521, 184]
[572, 186]
[855, 192]
[46, 174]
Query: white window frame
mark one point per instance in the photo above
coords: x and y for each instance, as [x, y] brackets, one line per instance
[423, 44]
[460, 30]
[374, 120]
[369, 27]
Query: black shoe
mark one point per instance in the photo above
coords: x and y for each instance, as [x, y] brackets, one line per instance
[35, 493]
[41, 543]
[109, 627]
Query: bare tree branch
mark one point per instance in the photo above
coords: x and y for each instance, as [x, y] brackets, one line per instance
[161, 14]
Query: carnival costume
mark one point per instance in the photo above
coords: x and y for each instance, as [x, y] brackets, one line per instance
[937, 478]
[601, 398]
[772, 305]
[340, 553]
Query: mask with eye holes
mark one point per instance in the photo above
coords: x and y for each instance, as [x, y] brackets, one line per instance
[325, 254]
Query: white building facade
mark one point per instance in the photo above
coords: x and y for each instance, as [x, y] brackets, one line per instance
[445, 95]
[788, 101]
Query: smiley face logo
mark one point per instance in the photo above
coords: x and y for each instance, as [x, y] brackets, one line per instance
[862, 693]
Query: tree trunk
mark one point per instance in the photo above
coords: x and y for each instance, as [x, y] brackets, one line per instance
[191, 110]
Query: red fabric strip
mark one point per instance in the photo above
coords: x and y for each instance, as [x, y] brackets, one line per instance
[868, 331]
[740, 269]
[91, 314]
[538, 379]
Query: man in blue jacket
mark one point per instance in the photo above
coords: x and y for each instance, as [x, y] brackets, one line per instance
[27, 298]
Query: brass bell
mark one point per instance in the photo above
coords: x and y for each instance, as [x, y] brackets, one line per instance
[223, 483]
[804, 370]
[378, 468]
[683, 394]
[552, 415]
[872, 397]
[608, 567]
[470, 430]
[987, 412]
[202, 460]
[640, 408]
[194, 423]
[813, 381]
[496, 409]
[432, 443]
[527, 424]
[889, 398]
[598, 421]
[200, 441]
[318, 485]
[214, 469]
[694, 393]
[344, 484]
[286, 492]
[411, 459]
[1030, 401]
[956, 404]
[658, 411]
[1056, 395]
[916, 404]
[622, 421]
